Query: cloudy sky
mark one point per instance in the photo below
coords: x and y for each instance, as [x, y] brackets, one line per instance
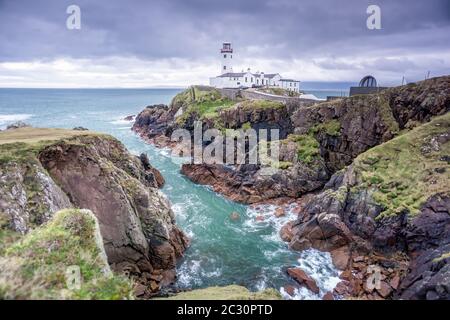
[157, 43]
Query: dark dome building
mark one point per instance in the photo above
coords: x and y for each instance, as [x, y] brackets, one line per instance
[367, 85]
[368, 81]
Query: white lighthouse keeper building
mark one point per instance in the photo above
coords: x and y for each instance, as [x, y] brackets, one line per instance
[230, 79]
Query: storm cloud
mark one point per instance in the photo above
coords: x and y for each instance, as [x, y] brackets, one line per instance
[156, 40]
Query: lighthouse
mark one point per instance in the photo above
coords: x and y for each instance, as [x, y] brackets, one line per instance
[227, 58]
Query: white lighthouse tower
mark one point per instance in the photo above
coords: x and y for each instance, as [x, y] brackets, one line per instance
[227, 58]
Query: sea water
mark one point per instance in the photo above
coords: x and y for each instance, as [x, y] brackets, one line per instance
[246, 252]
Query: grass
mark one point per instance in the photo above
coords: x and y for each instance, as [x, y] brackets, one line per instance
[35, 266]
[401, 176]
[331, 128]
[232, 292]
[279, 92]
[205, 102]
[307, 147]
[7, 236]
[24, 143]
[260, 104]
[33, 135]
[442, 257]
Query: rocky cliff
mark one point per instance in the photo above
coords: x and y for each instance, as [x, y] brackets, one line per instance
[370, 174]
[316, 140]
[38, 265]
[390, 208]
[46, 170]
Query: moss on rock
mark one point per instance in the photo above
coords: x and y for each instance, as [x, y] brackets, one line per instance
[35, 267]
[404, 172]
[331, 128]
[307, 147]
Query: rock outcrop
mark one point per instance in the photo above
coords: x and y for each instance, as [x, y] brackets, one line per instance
[390, 208]
[59, 169]
[44, 264]
[316, 140]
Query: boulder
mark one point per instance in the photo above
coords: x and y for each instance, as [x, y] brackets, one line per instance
[302, 278]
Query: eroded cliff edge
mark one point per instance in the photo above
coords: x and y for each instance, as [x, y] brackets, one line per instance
[316, 139]
[45, 170]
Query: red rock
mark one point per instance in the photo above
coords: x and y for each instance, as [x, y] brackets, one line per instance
[279, 212]
[297, 210]
[385, 289]
[302, 278]
[154, 286]
[340, 257]
[299, 244]
[328, 296]
[156, 277]
[342, 288]
[168, 277]
[346, 275]
[289, 290]
[139, 290]
[260, 218]
[286, 233]
[395, 281]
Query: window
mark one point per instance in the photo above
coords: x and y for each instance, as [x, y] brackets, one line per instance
[224, 67]
[257, 81]
[251, 79]
[231, 56]
[224, 55]
[245, 79]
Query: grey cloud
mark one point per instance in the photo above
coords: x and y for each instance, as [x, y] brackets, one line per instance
[193, 29]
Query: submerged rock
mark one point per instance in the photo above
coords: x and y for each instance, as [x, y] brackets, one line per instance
[17, 125]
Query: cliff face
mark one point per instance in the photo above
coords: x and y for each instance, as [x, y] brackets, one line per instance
[59, 169]
[345, 128]
[391, 204]
[316, 140]
[36, 266]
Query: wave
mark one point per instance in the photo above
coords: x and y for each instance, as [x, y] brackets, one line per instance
[121, 121]
[11, 118]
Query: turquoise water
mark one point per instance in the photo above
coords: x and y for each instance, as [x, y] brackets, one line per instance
[222, 252]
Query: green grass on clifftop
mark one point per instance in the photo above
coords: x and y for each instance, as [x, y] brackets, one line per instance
[205, 102]
[404, 172]
[24, 143]
[35, 267]
[232, 292]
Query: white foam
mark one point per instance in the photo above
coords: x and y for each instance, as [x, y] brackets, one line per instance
[11, 118]
[318, 265]
[121, 121]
